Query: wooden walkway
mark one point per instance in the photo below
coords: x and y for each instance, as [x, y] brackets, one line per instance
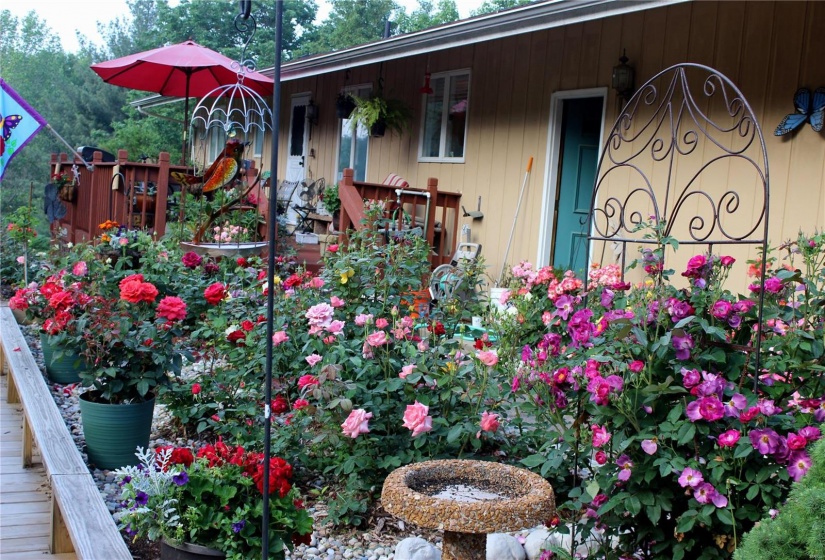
[25, 495]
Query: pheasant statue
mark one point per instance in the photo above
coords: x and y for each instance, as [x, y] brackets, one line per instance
[222, 172]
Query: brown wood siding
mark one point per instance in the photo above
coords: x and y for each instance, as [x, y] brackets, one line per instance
[768, 49]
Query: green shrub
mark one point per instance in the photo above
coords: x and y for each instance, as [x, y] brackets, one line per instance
[798, 532]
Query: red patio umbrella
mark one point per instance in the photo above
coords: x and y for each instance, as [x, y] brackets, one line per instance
[182, 70]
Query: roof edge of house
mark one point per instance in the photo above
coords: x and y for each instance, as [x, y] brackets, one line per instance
[516, 21]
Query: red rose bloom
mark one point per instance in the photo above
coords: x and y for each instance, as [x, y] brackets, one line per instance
[130, 278]
[279, 405]
[131, 291]
[242, 262]
[148, 292]
[172, 308]
[236, 337]
[215, 293]
[191, 260]
[247, 325]
[60, 300]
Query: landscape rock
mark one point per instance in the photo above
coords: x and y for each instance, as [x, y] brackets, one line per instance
[415, 548]
[504, 547]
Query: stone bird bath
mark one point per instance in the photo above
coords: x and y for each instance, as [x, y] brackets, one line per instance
[467, 500]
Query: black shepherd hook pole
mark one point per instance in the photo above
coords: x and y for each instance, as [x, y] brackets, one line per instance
[270, 276]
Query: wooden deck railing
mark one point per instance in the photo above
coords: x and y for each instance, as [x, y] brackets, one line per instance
[100, 198]
[441, 217]
[80, 520]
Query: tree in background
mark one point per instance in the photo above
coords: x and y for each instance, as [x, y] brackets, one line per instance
[428, 14]
[492, 6]
[350, 23]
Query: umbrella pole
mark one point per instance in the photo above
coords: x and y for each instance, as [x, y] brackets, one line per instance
[185, 117]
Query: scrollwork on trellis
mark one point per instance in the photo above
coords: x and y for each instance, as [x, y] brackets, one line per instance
[664, 141]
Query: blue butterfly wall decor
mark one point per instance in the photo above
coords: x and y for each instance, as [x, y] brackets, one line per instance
[809, 108]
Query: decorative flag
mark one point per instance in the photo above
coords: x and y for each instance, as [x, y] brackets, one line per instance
[19, 124]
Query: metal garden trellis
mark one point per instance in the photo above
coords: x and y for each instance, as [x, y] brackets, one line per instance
[668, 134]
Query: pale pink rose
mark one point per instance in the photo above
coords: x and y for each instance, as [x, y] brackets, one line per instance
[123, 241]
[336, 302]
[21, 259]
[279, 338]
[313, 359]
[80, 268]
[546, 318]
[407, 322]
[416, 419]
[336, 327]
[488, 357]
[363, 319]
[356, 423]
[649, 446]
[381, 323]
[378, 338]
[489, 422]
[316, 282]
[504, 297]
[319, 315]
[406, 370]
[423, 346]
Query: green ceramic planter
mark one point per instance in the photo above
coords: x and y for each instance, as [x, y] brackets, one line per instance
[170, 550]
[64, 369]
[114, 431]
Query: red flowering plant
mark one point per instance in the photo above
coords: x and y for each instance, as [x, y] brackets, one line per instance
[212, 498]
[644, 408]
[131, 343]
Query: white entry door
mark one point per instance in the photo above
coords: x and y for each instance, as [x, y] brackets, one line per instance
[298, 147]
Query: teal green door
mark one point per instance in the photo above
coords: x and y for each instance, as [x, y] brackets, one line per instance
[581, 125]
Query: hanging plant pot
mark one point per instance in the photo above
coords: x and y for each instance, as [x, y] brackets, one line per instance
[64, 369]
[378, 129]
[114, 431]
[172, 550]
[344, 106]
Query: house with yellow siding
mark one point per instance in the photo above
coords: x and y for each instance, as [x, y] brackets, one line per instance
[534, 80]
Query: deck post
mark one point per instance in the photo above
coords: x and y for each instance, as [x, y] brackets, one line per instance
[161, 196]
[59, 539]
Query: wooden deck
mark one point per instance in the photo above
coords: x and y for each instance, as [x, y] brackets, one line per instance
[25, 495]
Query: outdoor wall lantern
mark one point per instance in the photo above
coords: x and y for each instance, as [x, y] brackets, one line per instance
[312, 113]
[623, 78]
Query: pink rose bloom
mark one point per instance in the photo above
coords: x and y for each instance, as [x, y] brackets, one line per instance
[727, 261]
[363, 319]
[406, 370]
[335, 327]
[299, 404]
[378, 338]
[773, 285]
[423, 346]
[307, 381]
[123, 241]
[336, 302]
[504, 297]
[600, 435]
[636, 366]
[796, 441]
[21, 259]
[729, 438]
[600, 457]
[416, 419]
[649, 446]
[316, 282]
[690, 477]
[279, 338]
[319, 315]
[489, 422]
[313, 359]
[333, 248]
[381, 323]
[172, 308]
[357, 423]
[80, 268]
[488, 357]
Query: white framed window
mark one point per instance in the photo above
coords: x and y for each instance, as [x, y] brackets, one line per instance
[258, 145]
[444, 118]
[353, 145]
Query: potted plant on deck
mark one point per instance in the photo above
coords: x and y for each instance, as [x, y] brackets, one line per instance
[130, 342]
[209, 504]
[377, 114]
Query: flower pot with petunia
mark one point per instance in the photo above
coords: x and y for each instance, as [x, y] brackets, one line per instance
[208, 503]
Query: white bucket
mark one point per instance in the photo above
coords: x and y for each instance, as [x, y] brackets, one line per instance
[495, 299]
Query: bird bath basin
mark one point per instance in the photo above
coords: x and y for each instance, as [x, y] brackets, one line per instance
[467, 500]
[225, 249]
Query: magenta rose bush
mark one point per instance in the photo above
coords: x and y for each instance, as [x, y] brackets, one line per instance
[642, 405]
